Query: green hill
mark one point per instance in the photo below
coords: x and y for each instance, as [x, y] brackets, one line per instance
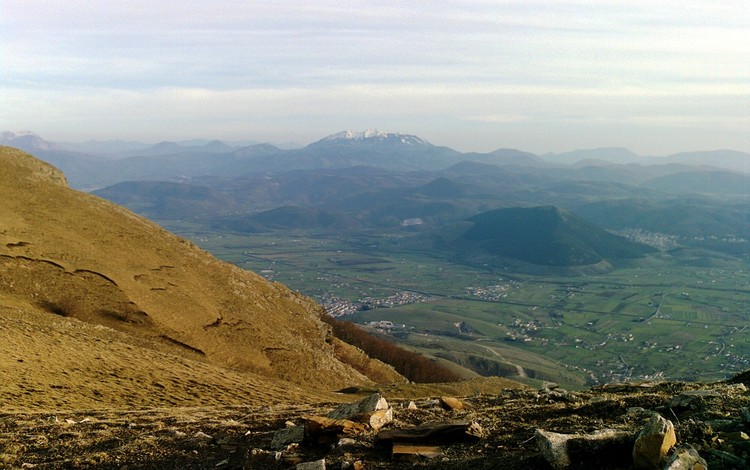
[286, 217]
[545, 236]
[167, 200]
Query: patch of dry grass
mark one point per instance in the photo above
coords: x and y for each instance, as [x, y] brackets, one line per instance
[56, 363]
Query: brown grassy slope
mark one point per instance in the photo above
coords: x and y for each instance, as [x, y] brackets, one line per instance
[76, 255]
[53, 363]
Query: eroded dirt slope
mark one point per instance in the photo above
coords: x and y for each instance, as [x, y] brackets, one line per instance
[51, 363]
[74, 255]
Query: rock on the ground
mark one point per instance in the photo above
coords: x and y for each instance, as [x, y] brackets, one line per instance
[378, 419]
[346, 441]
[451, 403]
[686, 458]
[596, 450]
[552, 392]
[315, 465]
[722, 459]
[434, 433]
[554, 448]
[693, 399]
[373, 410]
[202, 435]
[653, 442]
[325, 430]
[411, 452]
[284, 437]
[369, 404]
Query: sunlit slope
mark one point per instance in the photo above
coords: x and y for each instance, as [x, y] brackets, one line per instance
[53, 363]
[76, 255]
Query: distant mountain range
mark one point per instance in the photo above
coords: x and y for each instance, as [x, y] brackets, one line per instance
[389, 181]
[28, 141]
[100, 163]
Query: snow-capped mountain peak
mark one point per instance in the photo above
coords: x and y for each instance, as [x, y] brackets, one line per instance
[373, 135]
[353, 135]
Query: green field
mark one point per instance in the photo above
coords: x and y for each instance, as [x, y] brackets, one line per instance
[668, 317]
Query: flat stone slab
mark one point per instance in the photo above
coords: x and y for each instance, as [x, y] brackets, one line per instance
[324, 430]
[434, 433]
[414, 452]
[595, 450]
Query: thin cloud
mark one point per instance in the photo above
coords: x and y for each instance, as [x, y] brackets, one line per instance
[328, 65]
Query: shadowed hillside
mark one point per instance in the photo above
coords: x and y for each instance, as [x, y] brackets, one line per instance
[286, 217]
[546, 236]
[164, 200]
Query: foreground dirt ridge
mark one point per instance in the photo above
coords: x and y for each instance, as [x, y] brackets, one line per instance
[712, 419]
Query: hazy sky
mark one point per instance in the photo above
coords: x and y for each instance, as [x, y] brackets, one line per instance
[655, 76]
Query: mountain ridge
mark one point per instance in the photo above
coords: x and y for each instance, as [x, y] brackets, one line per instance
[175, 161]
[370, 136]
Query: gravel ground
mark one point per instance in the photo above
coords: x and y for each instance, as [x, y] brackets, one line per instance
[709, 417]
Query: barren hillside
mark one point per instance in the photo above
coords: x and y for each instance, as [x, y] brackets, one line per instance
[175, 308]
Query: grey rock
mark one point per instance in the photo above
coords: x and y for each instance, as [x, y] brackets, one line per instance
[722, 425]
[434, 433]
[725, 460]
[595, 450]
[369, 404]
[693, 400]
[639, 412]
[283, 437]
[346, 441]
[546, 386]
[736, 436]
[553, 392]
[745, 415]
[315, 465]
[686, 458]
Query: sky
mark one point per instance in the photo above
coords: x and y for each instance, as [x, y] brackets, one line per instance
[657, 77]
